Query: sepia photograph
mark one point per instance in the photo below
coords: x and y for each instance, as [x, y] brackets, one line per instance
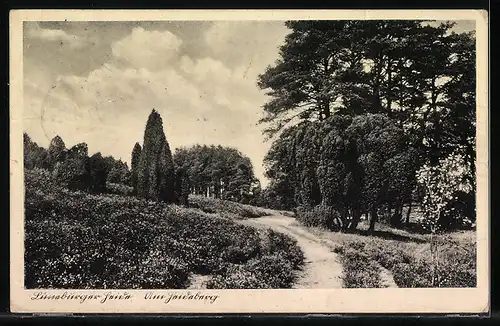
[200, 155]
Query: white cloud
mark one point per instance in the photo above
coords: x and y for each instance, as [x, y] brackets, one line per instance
[56, 35]
[147, 49]
[248, 46]
[210, 99]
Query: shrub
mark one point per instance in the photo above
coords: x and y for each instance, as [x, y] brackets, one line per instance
[79, 240]
[237, 277]
[276, 268]
[320, 216]
[281, 243]
[269, 272]
[410, 263]
[155, 170]
[229, 208]
[359, 271]
[119, 189]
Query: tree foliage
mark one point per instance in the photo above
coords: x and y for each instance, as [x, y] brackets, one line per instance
[34, 155]
[156, 171]
[352, 164]
[98, 170]
[56, 151]
[74, 170]
[441, 185]
[73, 167]
[357, 107]
[136, 157]
[216, 171]
[118, 172]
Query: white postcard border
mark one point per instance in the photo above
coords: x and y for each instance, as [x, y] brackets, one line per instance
[474, 300]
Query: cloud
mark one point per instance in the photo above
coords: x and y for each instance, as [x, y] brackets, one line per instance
[56, 35]
[148, 49]
[206, 96]
[250, 44]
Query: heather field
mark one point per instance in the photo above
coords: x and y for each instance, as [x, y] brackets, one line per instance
[77, 240]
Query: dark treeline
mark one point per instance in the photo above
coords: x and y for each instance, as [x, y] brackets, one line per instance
[358, 107]
[73, 167]
[155, 174]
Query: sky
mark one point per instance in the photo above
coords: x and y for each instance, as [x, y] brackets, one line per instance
[97, 82]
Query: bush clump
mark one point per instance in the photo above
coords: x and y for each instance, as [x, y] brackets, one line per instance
[79, 240]
[226, 207]
[119, 189]
[320, 216]
[359, 271]
[276, 268]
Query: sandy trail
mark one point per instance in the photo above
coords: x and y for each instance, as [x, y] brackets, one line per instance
[322, 268]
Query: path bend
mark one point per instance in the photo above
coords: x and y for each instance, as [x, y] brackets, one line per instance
[322, 267]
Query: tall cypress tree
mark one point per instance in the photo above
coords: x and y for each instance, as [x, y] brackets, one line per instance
[136, 157]
[155, 172]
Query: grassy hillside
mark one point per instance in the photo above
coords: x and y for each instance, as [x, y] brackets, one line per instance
[230, 209]
[79, 240]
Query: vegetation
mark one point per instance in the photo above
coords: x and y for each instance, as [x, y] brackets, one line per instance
[136, 157]
[354, 115]
[369, 120]
[274, 270]
[227, 208]
[93, 223]
[79, 240]
[73, 167]
[217, 172]
[359, 270]
[407, 255]
[156, 170]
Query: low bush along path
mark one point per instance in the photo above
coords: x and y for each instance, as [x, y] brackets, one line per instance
[322, 267]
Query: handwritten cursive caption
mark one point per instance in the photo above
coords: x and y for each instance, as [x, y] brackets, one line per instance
[114, 296]
[181, 296]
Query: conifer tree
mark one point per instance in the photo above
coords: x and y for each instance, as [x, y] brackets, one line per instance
[136, 157]
[155, 172]
[56, 152]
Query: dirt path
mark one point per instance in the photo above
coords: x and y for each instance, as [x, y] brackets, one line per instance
[322, 266]
[387, 279]
[199, 281]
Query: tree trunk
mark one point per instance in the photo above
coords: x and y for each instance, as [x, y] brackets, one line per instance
[471, 156]
[399, 208]
[343, 217]
[217, 189]
[326, 109]
[389, 84]
[373, 220]
[356, 216]
[389, 210]
[407, 221]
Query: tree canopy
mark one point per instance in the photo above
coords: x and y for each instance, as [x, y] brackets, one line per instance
[357, 107]
[217, 171]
